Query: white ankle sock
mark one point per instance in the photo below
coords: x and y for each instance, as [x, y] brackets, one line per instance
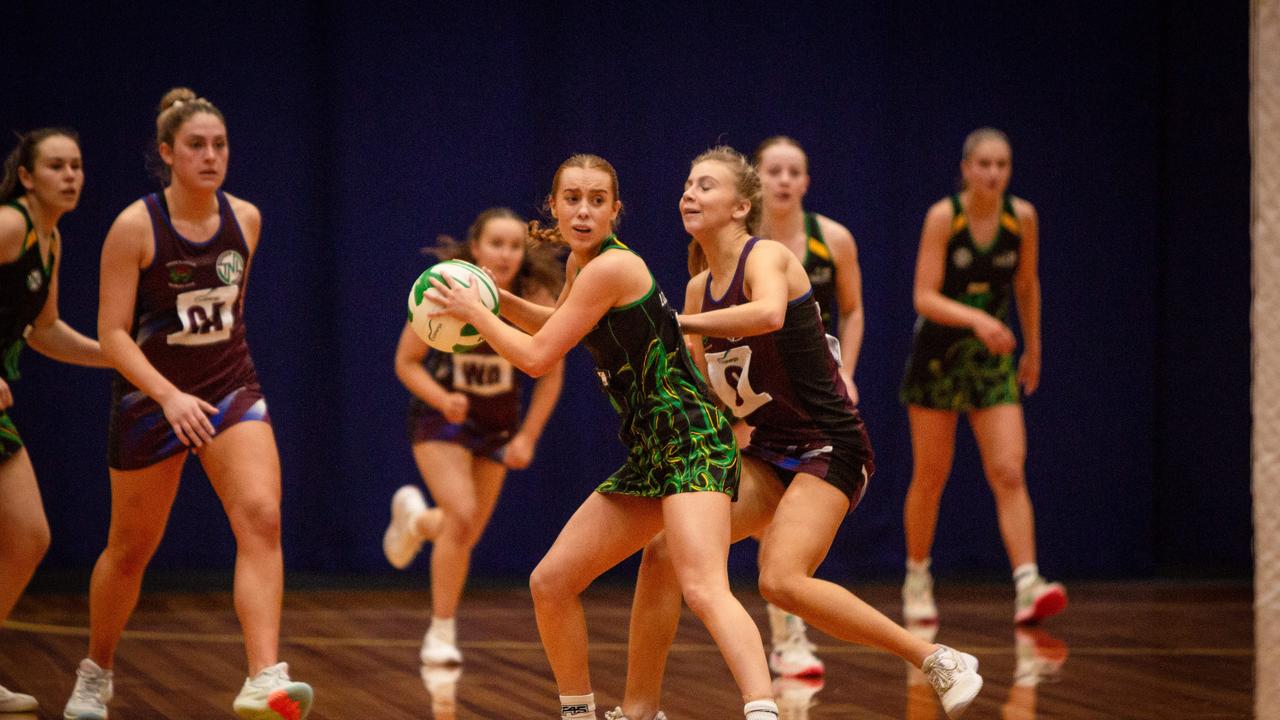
[915, 567]
[578, 707]
[1024, 575]
[444, 630]
[761, 710]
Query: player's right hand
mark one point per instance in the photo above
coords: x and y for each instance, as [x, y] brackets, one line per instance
[188, 415]
[994, 334]
[455, 408]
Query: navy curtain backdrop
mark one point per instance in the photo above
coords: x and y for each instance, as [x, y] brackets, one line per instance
[364, 132]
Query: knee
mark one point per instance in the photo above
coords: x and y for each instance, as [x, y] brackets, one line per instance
[701, 597]
[656, 558]
[26, 543]
[929, 479]
[780, 588]
[549, 586]
[130, 551]
[1006, 477]
[258, 521]
[462, 527]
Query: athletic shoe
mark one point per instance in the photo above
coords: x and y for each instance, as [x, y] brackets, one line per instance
[616, 714]
[271, 695]
[1040, 656]
[400, 543]
[438, 652]
[918, 607]
[12, 702]
[794, 696]
[954, 676]
[795, 658]
[1039, 600]
[91, 694]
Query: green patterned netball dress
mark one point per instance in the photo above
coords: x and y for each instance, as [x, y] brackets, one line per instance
[24, 288]
[949, 367]
[677, 440]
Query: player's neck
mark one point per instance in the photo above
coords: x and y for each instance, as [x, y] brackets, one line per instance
[723, 247]
[981, 205]
[44, 219]
[189, 205]
[783, 224]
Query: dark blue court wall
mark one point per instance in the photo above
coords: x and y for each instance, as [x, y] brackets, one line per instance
[362, 133]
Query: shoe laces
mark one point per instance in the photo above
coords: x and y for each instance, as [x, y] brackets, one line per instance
[272, 676]
[942, 673]
[90, 686]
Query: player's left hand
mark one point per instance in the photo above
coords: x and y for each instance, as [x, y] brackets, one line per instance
[519, 452]
[455, 299]
[1029, 373]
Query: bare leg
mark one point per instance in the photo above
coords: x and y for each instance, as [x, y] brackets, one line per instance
[24, 532]
[655, 611]
[697, 529]
[605, 530]
[465, 490]
[795, 544]
[140, 504]
[1002, 441]
[244, 467]
[933, 439]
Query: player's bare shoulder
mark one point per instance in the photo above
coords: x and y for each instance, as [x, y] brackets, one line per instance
[13, 233]
[249, 217]
[1024, 211]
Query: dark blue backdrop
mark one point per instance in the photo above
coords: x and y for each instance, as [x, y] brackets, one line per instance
[362, 134]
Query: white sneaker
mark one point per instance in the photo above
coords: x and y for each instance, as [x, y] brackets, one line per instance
[616, 714]
[271, 695]
[400, 543]
[954, 676]
[1041, 599]
[918, 607]
[12, 702]
[91, 694]
[795, 658]
[438, 652]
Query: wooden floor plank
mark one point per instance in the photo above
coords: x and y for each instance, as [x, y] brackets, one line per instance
[1122, 650]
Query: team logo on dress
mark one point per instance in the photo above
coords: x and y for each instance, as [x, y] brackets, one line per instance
[1006, 259]
[820, 275]
[962, 257]
[35, 280]
[181, 273]
[230, 267]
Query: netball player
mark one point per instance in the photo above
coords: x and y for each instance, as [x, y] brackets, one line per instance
[751, 314]
[682, 465]
[43, 177]
[978, 253]
[465, 426]
[171, 321]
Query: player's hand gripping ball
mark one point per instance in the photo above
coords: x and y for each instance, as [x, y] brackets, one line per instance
[443, 332]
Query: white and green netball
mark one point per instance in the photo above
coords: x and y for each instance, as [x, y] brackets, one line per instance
[443, 332]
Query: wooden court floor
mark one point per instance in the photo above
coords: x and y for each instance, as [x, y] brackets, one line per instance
[1122, 650]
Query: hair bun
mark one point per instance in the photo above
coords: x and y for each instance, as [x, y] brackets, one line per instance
[175, 96]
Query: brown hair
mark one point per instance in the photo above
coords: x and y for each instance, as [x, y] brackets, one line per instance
[24, 155]
[176, 107]
[748, 187]
[580, 160]
[539, 268]
[779, 140]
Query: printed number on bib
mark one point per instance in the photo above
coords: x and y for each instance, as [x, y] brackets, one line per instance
[729, 372]
[206, 316]
[483, 375]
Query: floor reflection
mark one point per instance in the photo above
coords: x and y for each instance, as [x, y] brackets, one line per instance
[441, 682]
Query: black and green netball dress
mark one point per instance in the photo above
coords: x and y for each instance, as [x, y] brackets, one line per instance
[821, 269]
[949, 367]
[24, 287]
[677, 440]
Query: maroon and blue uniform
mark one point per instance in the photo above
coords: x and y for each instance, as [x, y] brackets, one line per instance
[189, 322]
[493, 395]
[786, 385]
